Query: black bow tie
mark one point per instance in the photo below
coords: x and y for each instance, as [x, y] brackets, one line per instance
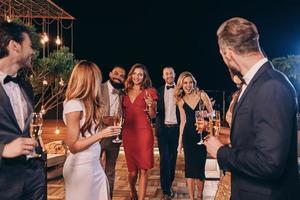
[9, 78]
[170, 86]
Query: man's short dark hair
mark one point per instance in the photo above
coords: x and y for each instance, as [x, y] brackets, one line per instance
[119, 66]
[11, 31]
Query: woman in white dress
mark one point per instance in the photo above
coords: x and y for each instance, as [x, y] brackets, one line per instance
[84, 177]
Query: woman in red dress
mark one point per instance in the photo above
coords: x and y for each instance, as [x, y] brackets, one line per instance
[139, 105]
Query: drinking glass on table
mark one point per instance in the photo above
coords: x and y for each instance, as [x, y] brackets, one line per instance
[35, 131]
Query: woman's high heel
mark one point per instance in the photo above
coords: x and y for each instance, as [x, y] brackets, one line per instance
[133, 195]
[200, 197]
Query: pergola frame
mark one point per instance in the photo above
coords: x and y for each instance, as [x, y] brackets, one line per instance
[32, 9]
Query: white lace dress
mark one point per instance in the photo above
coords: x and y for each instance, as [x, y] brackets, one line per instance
[84, 177]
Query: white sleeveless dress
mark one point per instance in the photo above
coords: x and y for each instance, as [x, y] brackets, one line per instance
[84, 177]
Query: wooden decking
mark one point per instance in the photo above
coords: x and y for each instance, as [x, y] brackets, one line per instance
[121, 192]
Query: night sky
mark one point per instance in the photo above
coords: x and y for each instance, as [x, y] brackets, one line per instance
[177, 33]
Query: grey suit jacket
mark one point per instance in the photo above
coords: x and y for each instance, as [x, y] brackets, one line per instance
[106, 102]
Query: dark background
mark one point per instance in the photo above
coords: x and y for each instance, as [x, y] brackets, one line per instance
[177, 33]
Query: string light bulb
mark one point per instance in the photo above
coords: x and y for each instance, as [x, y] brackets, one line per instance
[45, 82]
[43, 110]
[61, 82]
[8, 19]
[57, 130]
[58, 41]
[45, 37]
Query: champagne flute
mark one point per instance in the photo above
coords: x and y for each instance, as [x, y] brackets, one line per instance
[118, 121]
[147, 96]
[35, 131]
[199, 116]
[217, 122]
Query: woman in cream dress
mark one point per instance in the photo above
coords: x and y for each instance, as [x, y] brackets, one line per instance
[84, 177]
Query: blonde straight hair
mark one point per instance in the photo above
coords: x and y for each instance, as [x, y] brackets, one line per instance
[84, 85]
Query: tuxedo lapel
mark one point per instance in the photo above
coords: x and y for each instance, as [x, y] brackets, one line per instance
[29, 108]
[163, 96]
[162, 100]
[265, 66]
[5, 102]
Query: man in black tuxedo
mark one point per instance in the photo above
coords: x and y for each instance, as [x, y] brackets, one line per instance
[167, 132]
[19, 178]
[263, 156]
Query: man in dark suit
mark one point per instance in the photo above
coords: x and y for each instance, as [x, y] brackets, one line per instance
[111, 92]
[167, 132]
[263, 156]
[20, 178]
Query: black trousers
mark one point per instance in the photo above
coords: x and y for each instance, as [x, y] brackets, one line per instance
[22, 181]
[111, 151]
[34, 187]
[167, 144]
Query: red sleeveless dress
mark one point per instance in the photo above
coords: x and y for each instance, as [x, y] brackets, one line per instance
[137, 133]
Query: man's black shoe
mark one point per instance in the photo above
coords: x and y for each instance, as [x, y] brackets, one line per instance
[166, 197]
[172, 193]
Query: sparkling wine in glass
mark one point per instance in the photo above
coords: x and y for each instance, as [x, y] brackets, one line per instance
[147, 96]
[35, 131]
[118, 121]
[200, 118]
[216, 123]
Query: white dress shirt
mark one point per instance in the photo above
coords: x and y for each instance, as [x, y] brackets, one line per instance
[170, 106]
[250, 74]
[113, 100]
[17, 100]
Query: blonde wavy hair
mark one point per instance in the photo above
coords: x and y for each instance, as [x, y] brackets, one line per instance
[84, 85]
[179, 93]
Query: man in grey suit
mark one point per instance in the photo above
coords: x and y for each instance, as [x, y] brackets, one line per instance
[20, 178]
[111, 101]
[263, 153]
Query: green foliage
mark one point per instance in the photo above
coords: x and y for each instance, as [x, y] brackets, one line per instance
[49, 76]
[290, 66]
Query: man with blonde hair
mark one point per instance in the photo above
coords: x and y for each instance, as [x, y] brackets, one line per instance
[263, 153]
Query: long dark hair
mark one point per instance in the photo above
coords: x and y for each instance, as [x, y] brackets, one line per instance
[147, 83]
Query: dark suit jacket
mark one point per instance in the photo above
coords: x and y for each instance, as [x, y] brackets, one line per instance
[263, 157]
[12, 169]
[160, 117]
